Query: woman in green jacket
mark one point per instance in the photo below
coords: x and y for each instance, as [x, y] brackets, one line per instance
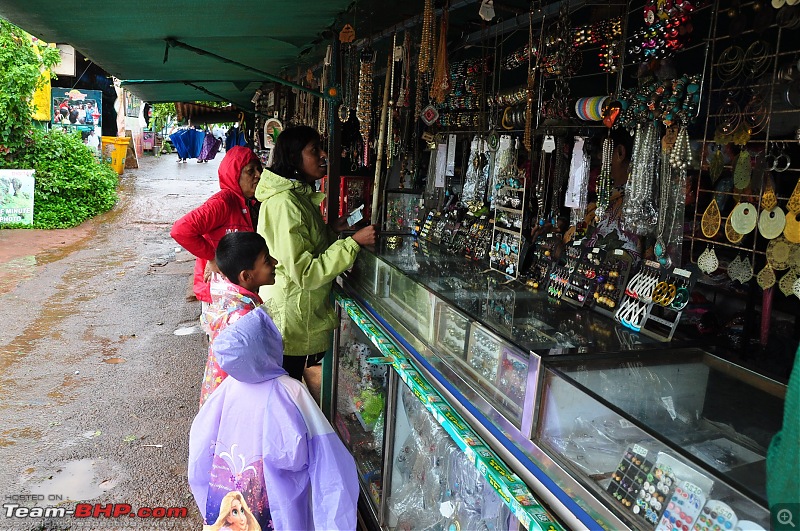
[309, 254]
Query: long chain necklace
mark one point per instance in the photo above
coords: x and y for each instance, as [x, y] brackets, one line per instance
[638, 211]
[364, 109]
[604, 183]
[660, 247]
[440, 87]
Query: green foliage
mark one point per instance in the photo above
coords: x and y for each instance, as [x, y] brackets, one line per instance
[20, 74]
[71, 184]
[161, 115]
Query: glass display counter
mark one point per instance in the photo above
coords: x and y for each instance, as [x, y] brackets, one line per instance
[643, 430]
[571, 400]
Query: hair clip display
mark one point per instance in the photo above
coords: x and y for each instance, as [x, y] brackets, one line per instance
[452, 331]
[484, 355]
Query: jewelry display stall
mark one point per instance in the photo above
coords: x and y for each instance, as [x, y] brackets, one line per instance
[575, 405]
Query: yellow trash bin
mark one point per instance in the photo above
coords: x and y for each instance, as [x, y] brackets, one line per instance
[114, 149]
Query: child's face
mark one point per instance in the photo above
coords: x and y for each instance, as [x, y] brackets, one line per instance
[263, 272]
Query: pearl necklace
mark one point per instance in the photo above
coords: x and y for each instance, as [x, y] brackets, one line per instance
[604, 183]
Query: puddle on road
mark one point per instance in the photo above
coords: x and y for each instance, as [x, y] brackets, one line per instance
[9, 437]
[75, 481]
[114, 361]
[16, 271]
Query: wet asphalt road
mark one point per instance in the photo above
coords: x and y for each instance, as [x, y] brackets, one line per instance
[98, 392]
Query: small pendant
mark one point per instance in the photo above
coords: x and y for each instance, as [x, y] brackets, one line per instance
[766, 277]
[708, 262]
[711, 220]
[771, 223]
[742, 172]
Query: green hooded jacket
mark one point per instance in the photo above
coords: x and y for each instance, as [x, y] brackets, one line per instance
[309, 259]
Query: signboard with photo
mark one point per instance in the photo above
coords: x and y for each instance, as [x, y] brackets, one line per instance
[16, 196]
[78, 109]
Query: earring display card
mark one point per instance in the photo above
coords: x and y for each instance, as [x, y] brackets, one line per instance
[478, 241]
[668, 300]
[557, 281]
[500, 306]
[427, 225]
[538, 275]
[683, 508]
[579, 287]
[512, 377]
[428, 230]
[640, 486]
[611, 278]
[504, 255]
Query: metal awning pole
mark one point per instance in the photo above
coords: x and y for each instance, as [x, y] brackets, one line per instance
[269, 77]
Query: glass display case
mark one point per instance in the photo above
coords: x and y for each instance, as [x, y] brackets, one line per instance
[434, 485]
[360, 398]
[584, 410]
[644, 431]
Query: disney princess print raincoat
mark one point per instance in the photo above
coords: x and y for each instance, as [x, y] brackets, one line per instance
[261, 433]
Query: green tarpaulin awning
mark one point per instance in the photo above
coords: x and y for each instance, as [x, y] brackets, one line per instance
[130, 41]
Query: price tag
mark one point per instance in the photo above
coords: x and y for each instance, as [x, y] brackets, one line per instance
[549, 144]
[640, 450]
[625, 424]
[576, 243]
[549, 235]
[654, 265]
[670, 405]
[619, 252]
[681, 272]
[355, 216]
[595, 250]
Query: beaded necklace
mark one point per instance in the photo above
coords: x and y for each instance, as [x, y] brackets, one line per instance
[604, 183]
[441, 70]
[364, 109]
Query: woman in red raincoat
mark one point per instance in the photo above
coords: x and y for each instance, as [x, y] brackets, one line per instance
[232, 209]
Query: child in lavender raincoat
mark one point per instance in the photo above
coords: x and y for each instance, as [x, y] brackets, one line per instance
[262, 434]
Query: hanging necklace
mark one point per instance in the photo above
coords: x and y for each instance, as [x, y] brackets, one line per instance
[440, 87]
[660, 247]
[604, 183]
[364, 109]
[638, 211]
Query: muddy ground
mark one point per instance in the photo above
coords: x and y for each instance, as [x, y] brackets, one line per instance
[98, 391]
